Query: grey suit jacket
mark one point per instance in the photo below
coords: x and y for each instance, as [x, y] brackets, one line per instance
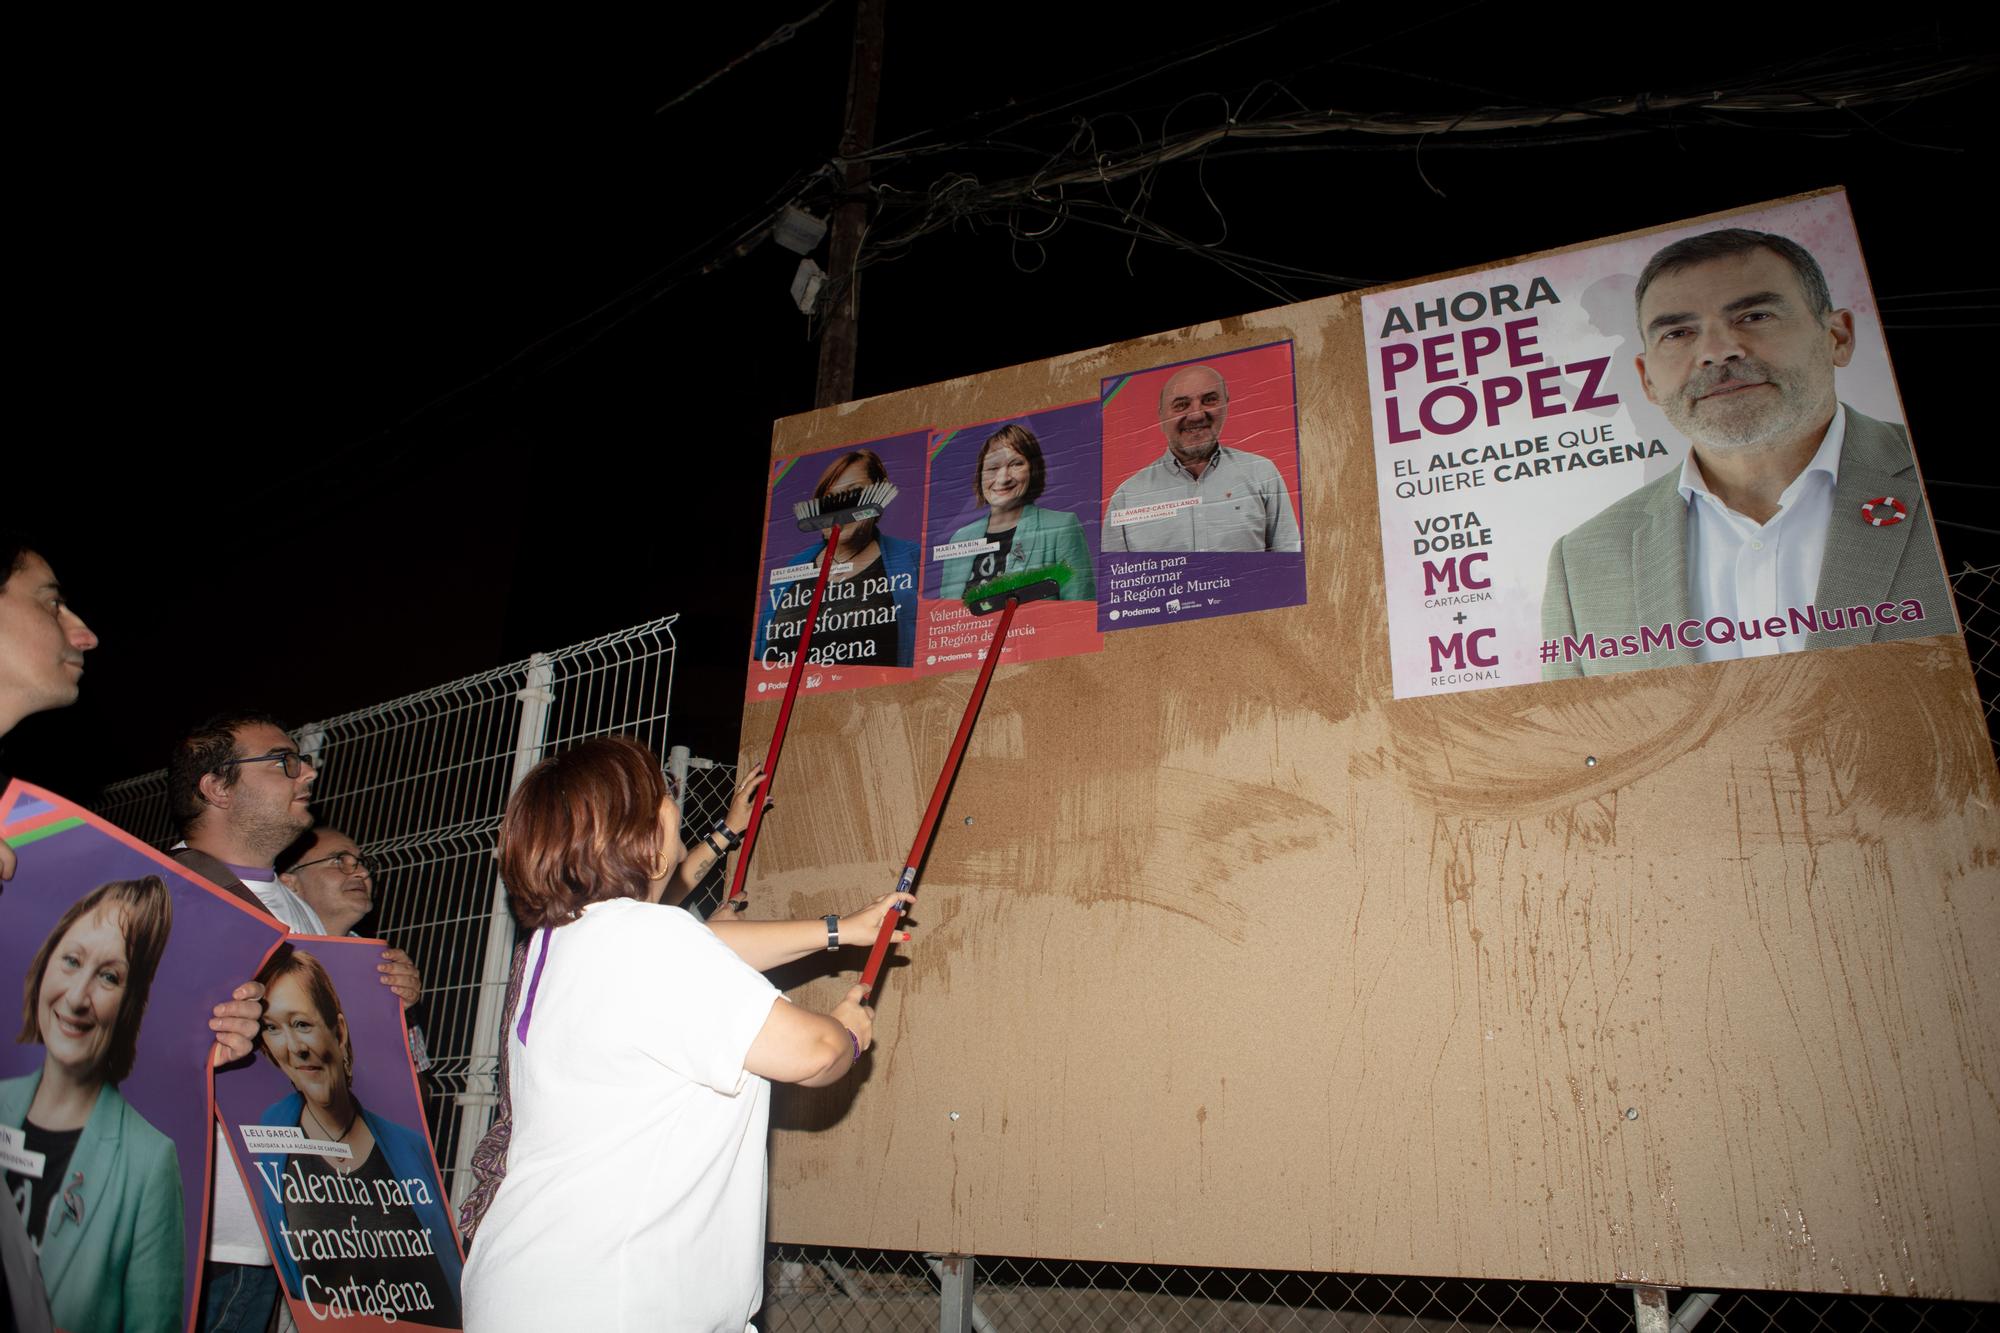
[1626, 568]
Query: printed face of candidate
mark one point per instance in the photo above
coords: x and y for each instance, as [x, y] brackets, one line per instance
[303, 1043]
[339, 898]
[266, 807]
[42, 643]
[1003, 478]
[1193, 406]
[82, 991]
[1736, 357]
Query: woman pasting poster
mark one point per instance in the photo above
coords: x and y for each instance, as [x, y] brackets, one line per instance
[327, 1129]
[1678, 448]
[116, 956]
[1008, 498]
[866, 630]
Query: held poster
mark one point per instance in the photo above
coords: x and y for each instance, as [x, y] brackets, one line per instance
[117, 956]
[1006, 497]
[1577, 479]
[867, 629]
[1201, 490]
[327, 1129]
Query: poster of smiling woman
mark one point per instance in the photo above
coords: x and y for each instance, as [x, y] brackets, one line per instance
[117, 956]
[866, 632]
[328, 1131]
[1008, 498]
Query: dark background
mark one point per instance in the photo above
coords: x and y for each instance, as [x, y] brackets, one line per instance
[369, 355]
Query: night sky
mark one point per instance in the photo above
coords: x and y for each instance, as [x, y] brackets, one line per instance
[372, 356]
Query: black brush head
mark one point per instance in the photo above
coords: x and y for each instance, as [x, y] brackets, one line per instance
[854, 505]
[1044, 583]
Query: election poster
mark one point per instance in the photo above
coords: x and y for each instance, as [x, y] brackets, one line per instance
[1676, 448]
[106, 1128]
[327, 1129]
[1201, 490]
[867, 629]
[1010, 498]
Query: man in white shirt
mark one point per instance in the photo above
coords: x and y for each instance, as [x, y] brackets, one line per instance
[1201, 495]
[1794, 522]
[240, 792]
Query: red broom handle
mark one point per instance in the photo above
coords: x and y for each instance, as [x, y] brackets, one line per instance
[784, 720]
[908, 880]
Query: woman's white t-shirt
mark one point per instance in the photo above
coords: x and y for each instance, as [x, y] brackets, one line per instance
[635, 1186]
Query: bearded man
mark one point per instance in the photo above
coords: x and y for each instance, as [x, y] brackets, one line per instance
[1201, 495]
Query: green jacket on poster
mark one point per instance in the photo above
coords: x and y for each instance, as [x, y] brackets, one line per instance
[122, 1268]
[1042, 537]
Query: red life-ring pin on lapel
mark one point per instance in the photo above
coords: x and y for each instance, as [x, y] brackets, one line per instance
[1884, 511]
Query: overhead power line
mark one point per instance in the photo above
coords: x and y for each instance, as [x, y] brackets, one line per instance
[1078, 180]
[784, 33]
[1826, 96]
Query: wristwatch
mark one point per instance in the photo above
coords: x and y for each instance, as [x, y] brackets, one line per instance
[832, 932]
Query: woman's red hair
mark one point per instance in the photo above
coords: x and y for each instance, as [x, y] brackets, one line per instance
[583, 827]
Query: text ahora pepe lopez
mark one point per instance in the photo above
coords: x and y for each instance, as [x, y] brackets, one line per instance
[1452, 363]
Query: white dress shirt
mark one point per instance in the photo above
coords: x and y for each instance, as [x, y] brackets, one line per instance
[1750, 571]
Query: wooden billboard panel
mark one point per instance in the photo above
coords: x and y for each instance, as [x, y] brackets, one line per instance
[1225, 956]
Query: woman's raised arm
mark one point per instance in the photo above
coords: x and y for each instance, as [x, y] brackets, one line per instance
[799, 1046]
[768, 944]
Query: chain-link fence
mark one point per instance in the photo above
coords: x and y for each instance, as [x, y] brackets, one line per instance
[821, 1290]
[421, 781]
[1978, 592]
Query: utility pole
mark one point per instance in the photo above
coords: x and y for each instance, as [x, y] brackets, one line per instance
[857, 138]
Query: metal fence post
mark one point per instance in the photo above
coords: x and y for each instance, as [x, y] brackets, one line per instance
[677, 772]
[1649, 1310]
[312, 743]
[955, 1278]
[1693, 1307]
[482, 1083]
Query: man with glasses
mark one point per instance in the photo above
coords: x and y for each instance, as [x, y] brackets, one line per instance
[240, 792]
[328, 870]
[334, 877]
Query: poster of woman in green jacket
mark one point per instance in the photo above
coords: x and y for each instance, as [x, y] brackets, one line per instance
[98, 1187]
